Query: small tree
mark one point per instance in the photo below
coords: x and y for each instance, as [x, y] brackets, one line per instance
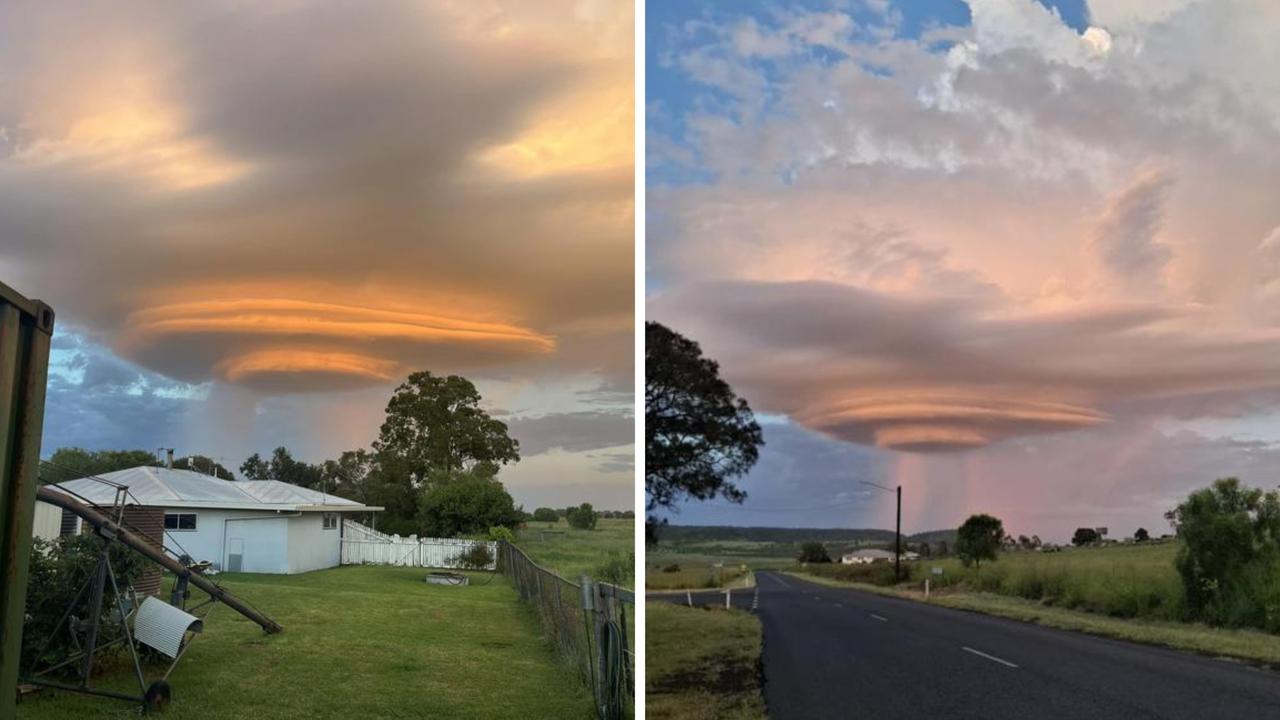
[1085, 536]
[978, 539]
[1141, 535]
[814, 552]
[582, 517]
[545, 514]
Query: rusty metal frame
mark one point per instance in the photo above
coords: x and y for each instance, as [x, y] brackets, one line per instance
[26, 328]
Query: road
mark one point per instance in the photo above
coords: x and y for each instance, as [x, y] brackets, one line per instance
[841, 653]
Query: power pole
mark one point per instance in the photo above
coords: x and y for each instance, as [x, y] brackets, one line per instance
[897, 556]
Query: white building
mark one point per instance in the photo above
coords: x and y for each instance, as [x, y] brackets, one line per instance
[259, 526]
[871, 555]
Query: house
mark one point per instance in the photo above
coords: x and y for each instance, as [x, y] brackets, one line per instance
[257, 526]
[871, 555]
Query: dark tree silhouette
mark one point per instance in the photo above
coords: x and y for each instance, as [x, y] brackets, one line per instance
[698, 433]
[1142, 535]
[814, 552]
[978, 539]
[1085, 536]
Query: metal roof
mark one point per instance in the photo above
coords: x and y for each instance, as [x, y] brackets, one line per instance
[172, 488]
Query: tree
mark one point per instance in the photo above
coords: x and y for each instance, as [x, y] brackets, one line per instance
[1230, 548]
[72, 462]
[582, 517]
[435, 426]
[1035, 541]
[1085, 536]
[350, 476]
[814, 552]
[255, 468]
[544, 514]
[978, 539]
[943, 550]
[698, 433]
[1024, 542]
[204, 465]
[465, 504]
[1141, 535]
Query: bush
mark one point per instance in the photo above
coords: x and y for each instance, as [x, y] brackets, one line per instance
[582, 517]
[476, 557]
[58, 570]
[545, 514]
[672, 568]
[1229, 560]
[619, 569]
[498, 533]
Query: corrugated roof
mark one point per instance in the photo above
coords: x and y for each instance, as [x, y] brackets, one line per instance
[165, 487]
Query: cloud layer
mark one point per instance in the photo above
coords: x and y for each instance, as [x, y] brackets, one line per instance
[922, 237]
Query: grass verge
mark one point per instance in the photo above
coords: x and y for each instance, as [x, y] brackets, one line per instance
[702, 664]
[1253, 646]
[359, 641]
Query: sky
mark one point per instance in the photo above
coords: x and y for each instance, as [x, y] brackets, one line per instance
[253, 220]
[1017, 257]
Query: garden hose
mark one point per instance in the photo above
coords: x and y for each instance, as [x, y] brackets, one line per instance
[613, 684]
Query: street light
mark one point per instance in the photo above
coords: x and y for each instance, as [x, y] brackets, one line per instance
[897, 539]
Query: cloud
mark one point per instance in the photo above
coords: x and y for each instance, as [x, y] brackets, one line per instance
[401, 186]
[572, 432]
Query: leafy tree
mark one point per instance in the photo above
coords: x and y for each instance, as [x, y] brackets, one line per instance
[814, 552]
[698, 433]
[1230, 554]
[204, 465]
[582, 517]
[255, 468]
[943, 549]
[350, 476]
[545, 514]
[72, 463]
[1035, 541]
[1141, 535]
[465, 504]
[435, 425]
[1024, 542]
[1085, 536]
[978, 539]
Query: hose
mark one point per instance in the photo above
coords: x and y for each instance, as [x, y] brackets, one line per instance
[613, 683]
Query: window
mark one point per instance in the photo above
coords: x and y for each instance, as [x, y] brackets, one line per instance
[179, 521]
[330, 521]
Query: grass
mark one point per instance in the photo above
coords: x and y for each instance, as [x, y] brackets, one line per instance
[359, 641]
[571, 552]
[663, 577]
[702, 664]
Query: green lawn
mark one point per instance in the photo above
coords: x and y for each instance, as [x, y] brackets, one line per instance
[572, 552]
[358, 642]
[702, 664]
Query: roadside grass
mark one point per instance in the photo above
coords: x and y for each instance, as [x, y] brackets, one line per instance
[605, 553]
[359, 641]
[1253, 646]
[702, 664]
[694, 578]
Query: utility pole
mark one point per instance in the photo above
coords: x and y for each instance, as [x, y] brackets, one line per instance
[897, 535]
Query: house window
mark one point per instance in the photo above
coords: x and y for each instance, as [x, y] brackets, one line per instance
[330, 521]
[180, 521]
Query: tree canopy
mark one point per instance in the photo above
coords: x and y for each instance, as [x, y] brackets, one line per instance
[69, 463]
[978, 539]
[465, 504]
[814, 552]
[582, 517]
[698, 433]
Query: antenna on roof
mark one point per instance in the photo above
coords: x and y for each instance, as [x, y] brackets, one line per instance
[168, 458]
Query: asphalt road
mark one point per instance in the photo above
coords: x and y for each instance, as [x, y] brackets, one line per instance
[840, 653]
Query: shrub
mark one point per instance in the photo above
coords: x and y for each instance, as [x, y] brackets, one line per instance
[476, 557]
[979, 538]
[465, 505]
[582, 517]
[58, 570]
[497, 533]
[672, 568]
[619, 568]
[545, 514]
[814, 552]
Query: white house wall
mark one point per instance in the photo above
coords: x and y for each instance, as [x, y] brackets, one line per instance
[47, 521]
[310, 546]
[264, 536]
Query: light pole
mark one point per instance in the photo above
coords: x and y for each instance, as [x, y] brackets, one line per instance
[897, 535]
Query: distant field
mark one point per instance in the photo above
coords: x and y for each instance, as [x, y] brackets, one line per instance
[1126, 581]
[702, 664]
[608, 550]
[358, 642]
[663, 577]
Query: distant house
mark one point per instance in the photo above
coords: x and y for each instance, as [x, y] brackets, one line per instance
[869, 555]
[257, 526]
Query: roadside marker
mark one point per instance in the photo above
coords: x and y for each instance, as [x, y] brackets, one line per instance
[688, 596]
[992, 658]
[755, 599]
[881, 619]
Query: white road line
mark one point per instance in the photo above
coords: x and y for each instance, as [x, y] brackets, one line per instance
[755, 599]
[992, 658]
[839, 604]
[784, 582]
[881, 619]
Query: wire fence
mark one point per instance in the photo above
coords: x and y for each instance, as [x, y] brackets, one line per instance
[589, 622]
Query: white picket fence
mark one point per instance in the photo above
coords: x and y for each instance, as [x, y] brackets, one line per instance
[364, 545]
